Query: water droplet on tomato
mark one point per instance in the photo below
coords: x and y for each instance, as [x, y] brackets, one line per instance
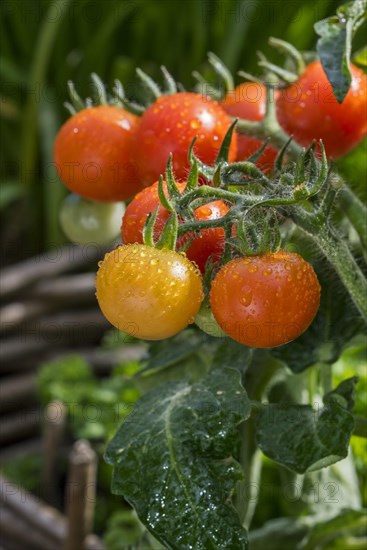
[245, 296]
[253, 268]
[268, 271]
[195, 123]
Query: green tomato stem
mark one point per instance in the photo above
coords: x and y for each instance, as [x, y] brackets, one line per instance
[212, 193]
[356, 212]
[326, 377]
[330, 244]
[338, 254]
[250, 458]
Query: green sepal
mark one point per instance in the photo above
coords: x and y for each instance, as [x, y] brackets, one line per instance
[291, 52]
[170, 83]
[210, 91]
[173, 191]
[100, 95]
[187, 244]
[299, 170]
[250, 77]
[204, 170]
[76, 100]
[162, 196]
[120, 98]
[168, 237]
[149, 84]
[257, 154]
[70, 108]
[217, 176]
[221, 70]
[323, 173]
[223, 152]
[286, 76]
[148, 229]
[278, 164]
[192, 180]
[244, 244]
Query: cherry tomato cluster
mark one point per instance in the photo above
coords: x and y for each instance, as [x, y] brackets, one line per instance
[153, 293]
[260, 301]
[107, 154]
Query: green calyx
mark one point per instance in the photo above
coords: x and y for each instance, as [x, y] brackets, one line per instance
[257, 203]
[150, 93]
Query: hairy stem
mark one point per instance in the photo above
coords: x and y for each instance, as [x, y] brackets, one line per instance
[330, 244]
[339, 255]
[270, 128]
[356, 212]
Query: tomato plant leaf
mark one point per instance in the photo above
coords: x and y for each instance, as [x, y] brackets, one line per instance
[304, 439]
[173, 461]
[324, 532]
[165, 353]
[232, 354]
[335, 44]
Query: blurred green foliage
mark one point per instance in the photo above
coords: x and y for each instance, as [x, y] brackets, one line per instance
[45, 43]
[94, 406]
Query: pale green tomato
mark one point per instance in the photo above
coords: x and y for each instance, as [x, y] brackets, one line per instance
[205, 321]
[84, 221]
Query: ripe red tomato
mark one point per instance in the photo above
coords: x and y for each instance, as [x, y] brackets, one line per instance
[309, 110]
[248, 101]
[93, 154]
[170, 125]
[148, 293]
[209, 243]
[265, 301]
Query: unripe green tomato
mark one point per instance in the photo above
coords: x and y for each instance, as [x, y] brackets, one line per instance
[205, 321]
[84, 221]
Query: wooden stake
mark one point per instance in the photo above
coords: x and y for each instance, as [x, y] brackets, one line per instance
[80, 494]
[53, 433]
[39, 516]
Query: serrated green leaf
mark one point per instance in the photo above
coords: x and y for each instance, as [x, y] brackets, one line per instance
[343, 394]
[173, 461]
[165, 353]
[232, 354]
[323, 533]
[335, 42]
[304, 439]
